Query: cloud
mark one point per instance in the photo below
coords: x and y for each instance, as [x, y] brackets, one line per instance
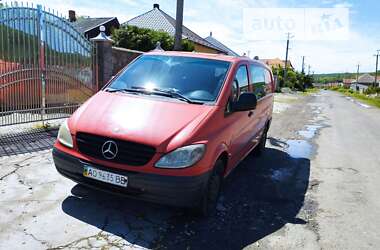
[92, 8]
[343, 5]
[323, 56]
[224, 19]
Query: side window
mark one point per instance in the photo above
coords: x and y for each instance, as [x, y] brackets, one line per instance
[240, 85]
[268, 82]
[242, 79]
[258, 81]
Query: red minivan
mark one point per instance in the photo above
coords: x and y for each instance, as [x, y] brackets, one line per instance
[169, 128]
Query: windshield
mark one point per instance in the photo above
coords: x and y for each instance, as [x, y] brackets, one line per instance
[194, 78]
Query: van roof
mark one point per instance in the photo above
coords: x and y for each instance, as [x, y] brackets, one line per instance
[221, 57]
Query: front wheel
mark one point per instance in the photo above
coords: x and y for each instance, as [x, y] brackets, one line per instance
[210, 198]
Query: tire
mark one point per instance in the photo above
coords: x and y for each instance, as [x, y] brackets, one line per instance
[210, 197]
[260, 148]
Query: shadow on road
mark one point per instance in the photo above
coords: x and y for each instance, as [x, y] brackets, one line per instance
[26, 141]
[259, 198]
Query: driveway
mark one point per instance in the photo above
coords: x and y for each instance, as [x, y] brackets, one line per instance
[315, 187]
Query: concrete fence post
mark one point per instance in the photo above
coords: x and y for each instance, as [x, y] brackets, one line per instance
[104, 64]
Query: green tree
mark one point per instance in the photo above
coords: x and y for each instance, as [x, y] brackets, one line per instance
[308, 81]
[294, 80]
[131, 37]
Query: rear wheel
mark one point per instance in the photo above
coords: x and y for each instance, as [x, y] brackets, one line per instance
[210, 198]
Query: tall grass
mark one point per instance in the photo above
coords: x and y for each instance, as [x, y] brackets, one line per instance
[373, 101]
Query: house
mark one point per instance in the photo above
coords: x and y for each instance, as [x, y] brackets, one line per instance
[89, 26]
[277, 62]
[157, 19]
[364, 82]
[348, 82]
[366, 79]
[220, 45]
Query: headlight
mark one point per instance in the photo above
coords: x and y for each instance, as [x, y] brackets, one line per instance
[182, 157]
[64, 135]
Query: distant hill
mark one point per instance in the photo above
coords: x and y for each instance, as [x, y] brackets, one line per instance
[337, 77]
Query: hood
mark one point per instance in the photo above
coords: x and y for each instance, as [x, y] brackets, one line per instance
[151, 120]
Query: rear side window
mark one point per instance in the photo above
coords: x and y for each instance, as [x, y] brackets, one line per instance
[258, 81]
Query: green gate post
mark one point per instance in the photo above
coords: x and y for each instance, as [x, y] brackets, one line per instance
[104, 64]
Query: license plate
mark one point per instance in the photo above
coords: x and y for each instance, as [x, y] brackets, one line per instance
[105, 176]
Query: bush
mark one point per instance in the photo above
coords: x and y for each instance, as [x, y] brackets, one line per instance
[372, 90]
[374, 101]
[295, 80]
[131, 37]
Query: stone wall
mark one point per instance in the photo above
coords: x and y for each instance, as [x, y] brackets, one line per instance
[122, 57]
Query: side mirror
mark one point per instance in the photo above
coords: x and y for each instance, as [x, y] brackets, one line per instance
[246, 102]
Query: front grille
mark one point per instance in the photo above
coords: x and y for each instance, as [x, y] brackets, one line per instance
[129, 153]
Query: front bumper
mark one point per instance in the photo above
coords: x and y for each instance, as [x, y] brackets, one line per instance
[183, 191]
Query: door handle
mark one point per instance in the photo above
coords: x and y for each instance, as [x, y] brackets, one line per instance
[250, 113]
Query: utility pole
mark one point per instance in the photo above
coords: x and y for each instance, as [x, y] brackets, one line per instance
[303, 64]
[308, 70]
[357, 73]
[377, 63]
[357, 76]
[178, 26]
[286, 58]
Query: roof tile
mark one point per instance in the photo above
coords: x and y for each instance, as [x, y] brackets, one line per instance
[158, 20]
[218, 44]
[85, 24]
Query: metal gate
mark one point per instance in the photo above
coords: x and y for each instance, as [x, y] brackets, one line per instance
[46, 65]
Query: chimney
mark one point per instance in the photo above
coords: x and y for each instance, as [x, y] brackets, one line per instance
[72, 17]
[156, 6]
[210, 33]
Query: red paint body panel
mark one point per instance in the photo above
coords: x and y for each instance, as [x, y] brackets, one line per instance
[168, 124]
[152, 121]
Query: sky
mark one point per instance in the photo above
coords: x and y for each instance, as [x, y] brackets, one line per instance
[225, 19]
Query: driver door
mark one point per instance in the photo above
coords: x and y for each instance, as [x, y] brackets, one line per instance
[239, 122]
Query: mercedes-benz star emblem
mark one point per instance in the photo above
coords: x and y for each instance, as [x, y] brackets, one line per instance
[109, 150]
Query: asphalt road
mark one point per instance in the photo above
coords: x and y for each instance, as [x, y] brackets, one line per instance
[348, 168]
[315, 187]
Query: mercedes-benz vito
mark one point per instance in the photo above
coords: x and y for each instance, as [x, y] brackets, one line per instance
[169, 127]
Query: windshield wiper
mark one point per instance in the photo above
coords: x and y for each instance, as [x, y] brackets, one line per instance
[123, 90]
[155, 91]
[166, 93]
